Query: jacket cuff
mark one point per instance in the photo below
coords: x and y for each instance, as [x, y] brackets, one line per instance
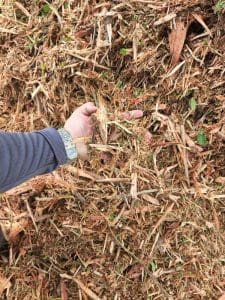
[56, 143]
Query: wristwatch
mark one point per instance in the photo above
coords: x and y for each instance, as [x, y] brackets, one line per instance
[70, 147]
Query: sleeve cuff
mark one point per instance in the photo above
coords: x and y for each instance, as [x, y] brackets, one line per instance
[56, 143]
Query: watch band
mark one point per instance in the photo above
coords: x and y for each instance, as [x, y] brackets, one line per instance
[70, 147]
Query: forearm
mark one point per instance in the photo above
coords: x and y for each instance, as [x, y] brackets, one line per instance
[25, 155]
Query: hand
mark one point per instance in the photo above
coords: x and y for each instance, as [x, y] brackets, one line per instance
[79, 126]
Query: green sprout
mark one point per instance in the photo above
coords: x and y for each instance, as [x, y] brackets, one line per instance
[220, 5]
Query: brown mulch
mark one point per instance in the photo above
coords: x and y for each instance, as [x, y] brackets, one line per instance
[144, 218]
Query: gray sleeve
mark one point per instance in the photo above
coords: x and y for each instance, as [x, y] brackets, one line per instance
[25, 155]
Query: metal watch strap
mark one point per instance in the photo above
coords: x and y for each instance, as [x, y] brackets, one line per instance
[70, 148]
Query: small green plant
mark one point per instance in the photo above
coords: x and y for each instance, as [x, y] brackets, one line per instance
[137, 92]
[32, 42]
[152, 266]
[120, 84]
[220, 5]
[193, 104]
[45, 9]
[111, 217]
[66, 5]
[201, 138]
[123, 51]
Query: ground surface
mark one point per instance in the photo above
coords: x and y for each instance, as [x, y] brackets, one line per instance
[156, 230]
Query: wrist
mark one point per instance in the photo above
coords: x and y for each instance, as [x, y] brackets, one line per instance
[69, 145]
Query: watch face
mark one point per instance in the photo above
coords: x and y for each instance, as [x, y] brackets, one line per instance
[70, 148]
[72, 154]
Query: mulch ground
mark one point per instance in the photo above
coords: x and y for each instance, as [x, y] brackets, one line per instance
[144, 218]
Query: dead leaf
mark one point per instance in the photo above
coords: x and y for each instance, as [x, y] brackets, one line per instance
[151, 199]
[4, 284]
[176, 41]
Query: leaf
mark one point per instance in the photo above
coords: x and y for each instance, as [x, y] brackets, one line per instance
[201, 138]
[123, 51]
[220, 5]
[45, 9]
[193, 104]
[153, 266]
[176, 41]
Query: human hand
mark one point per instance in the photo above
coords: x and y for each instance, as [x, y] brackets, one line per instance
[80, 127]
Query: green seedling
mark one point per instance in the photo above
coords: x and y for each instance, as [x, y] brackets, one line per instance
[201, 138]
[45, 9]
[193, 104]
[123, 51]
[220, 5]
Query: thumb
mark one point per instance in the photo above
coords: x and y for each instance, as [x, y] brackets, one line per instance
[88, 109]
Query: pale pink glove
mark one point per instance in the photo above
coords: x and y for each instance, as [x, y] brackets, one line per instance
[80, 127]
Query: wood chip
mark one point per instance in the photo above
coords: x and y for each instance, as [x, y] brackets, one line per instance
[133, 189]
[222, 297]
[102, 118]
[216, 219]
[23, 9]
[165, 19]
[64, 294]
[201, 21]
[81, 173]
[220, 180]
[176, 41]
[161, 220]
[4, 284]
[83, 287]
[151, 199]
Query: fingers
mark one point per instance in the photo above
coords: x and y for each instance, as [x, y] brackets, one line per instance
[128, 115]
[88, 109]
[132, 114]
